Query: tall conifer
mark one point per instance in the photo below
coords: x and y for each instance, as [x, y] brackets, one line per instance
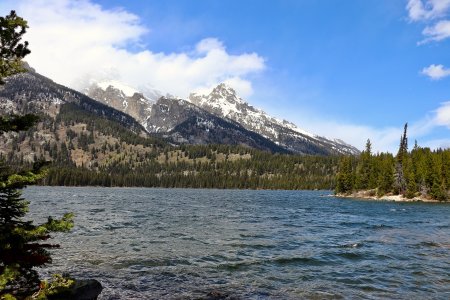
[21, 247]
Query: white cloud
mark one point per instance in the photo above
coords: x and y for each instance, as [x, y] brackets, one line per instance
[442, 116]
[73, 41]
[210, 44]
[438, 143]
[436, 72]
[437, 32]
[383, 139]
[431, 11]
[419, 10]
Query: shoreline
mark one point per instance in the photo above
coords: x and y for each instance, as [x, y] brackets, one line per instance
[368, 195]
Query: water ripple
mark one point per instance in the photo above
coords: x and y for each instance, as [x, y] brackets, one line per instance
[229, 244]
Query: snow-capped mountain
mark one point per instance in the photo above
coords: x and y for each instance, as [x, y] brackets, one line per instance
[176, 119]
[224, 102]
[31, 92]
[182, 122]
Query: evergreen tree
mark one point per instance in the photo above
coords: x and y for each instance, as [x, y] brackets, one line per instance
[20, 250]
[386, 174]
[365, 178]
[20, 247]
[345, 177]
[12, 28]
[400, 182]
[411, 186]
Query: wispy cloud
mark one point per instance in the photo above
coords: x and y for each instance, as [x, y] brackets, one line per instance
[436, 72]
[420, 10]
[438, 143]
[434, 13]
[74, 42]
[437, 32]
[442, 115]
[383, 138]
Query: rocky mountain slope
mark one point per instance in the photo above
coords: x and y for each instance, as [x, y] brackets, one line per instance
[184, 123]
[174, 120]
[177, 120]
[224, 102]
[166, 114]
[90, 143]
[31, 92]
[123, 98]
[218, 118]
[74, 130]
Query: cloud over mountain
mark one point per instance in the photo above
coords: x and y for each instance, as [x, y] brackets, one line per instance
[74, 42]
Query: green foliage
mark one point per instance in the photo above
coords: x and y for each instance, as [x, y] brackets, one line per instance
[400, 166]
[411, 189]
[57, 286]
[65, 224]
[419, 172]
[17, 123]
[71, 113]
[21, 242]
[345, 179]
[385, 174]
[244, 168]
[12, 28]
[365, 178]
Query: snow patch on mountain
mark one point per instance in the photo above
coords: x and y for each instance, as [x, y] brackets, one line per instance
[224, 102]
[125, 89]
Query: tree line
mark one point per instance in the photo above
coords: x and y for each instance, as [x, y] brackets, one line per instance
[421, 172]
[261, 171]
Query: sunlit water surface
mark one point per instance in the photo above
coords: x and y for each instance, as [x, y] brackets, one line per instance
[188, 244]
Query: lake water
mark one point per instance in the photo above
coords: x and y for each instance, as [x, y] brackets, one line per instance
[191, 244]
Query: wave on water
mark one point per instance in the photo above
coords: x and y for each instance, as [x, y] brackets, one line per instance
[351, 245]
[379, 227]
[200, 244]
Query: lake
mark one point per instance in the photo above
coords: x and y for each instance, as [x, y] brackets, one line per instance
[190, 244]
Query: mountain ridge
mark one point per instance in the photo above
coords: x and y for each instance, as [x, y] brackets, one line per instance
[224, 103]
[31, 92]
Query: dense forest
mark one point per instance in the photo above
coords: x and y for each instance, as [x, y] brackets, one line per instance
[420, 172]
[253, 170]
[85, 149]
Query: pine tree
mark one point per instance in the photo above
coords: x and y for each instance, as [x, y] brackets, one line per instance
[411, 186]
[20, 250]
[365, 169]
[400, 182]
[385, 175]
[345, 178]
[12, 28]
[20, 247]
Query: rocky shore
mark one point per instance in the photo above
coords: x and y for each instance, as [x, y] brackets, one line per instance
[87, 289]
[372, 195]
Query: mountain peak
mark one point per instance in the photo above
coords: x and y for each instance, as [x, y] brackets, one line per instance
[225, 103]
[225, 91]
[224, 88]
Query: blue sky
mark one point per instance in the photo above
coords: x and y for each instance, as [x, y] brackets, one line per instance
[344, 69]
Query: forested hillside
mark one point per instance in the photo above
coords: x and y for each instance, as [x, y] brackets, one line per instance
[87, 150]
